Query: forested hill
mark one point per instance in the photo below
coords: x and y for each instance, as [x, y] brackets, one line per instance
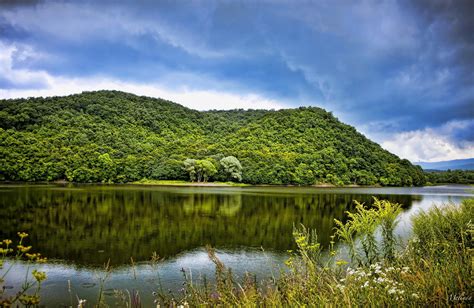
[111, 136]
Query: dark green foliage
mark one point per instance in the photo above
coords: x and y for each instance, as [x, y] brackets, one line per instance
[450, 176]
[111, 136]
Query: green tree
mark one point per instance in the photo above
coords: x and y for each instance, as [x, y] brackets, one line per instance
[304, 175]
[232, 168]
[108, 168]
[205, 169]
[191, 168]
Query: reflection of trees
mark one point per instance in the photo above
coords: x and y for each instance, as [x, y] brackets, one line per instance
[74, 224]
[207, 204]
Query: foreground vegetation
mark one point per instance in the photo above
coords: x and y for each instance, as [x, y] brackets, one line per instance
[29, 292]
[111, 136]
[433, 269]
[373, 268]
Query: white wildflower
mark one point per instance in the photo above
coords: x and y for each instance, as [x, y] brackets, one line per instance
[380, 280]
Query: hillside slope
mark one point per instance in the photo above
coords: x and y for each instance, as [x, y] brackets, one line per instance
[111, 136]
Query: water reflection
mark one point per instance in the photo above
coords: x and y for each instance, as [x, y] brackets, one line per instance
[166, 276]
[89, 225]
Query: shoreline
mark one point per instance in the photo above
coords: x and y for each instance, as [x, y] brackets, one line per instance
[179, 183]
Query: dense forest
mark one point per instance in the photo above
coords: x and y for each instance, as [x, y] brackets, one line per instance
[450, 176]
[116, 137]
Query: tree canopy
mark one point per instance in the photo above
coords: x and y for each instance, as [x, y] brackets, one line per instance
[111, 136]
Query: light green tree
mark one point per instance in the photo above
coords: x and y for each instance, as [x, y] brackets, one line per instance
[232, 168]
[190, 167]
[107, 168]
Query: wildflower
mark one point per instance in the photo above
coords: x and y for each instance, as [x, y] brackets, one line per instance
[414, 295]
[23, 249]
[41, 260]
[7, 242]
[392, 291]
[341, 262]
[29, 300]
[82, 303]
[366, 284]
[39, 276]
[22, 235]
[31, 256]
[362, 274]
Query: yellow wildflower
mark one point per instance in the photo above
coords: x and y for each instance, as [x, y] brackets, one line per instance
[30, 255]
[341, 262]
[29, 300]
[39, 276]
[25, 249]
[41, 260]
[7, 242]
[22, 234]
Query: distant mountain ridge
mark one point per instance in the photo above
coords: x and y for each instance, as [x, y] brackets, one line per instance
[456, 164]
[112, 136]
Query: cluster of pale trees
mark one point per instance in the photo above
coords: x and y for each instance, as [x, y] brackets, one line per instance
[201, 170]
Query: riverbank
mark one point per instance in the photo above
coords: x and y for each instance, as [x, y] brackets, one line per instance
[186, 183]
[234, 184]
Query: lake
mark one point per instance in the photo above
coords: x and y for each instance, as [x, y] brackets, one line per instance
[82, 227]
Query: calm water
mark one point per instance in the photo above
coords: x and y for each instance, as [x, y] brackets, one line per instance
[80, 227]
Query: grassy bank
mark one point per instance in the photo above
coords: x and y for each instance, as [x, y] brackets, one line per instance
[186, 183]
[234, 184]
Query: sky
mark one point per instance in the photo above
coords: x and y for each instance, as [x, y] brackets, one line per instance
[401, 72]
